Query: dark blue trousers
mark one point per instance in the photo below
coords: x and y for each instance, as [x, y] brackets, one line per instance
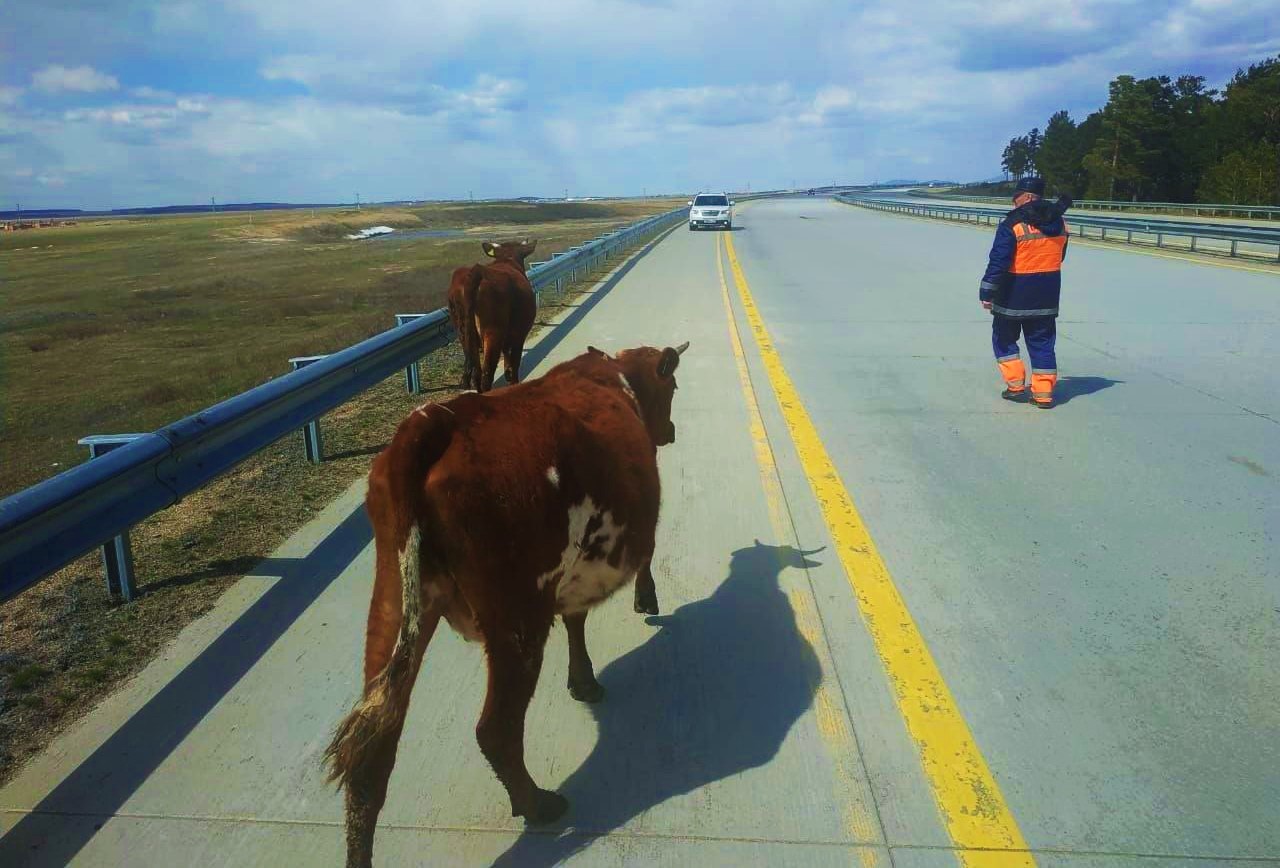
[1041, 333]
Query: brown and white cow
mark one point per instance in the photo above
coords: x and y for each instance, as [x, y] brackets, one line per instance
[498, 512]
[492, 308]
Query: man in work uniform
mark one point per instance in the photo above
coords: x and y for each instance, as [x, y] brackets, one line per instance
[1021, 289]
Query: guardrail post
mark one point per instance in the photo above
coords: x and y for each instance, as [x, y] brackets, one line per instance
[412, 376]
[117, 553]
[312, 442]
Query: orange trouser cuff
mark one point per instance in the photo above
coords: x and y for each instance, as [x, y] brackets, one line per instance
[1042, 383]
[1015, 375]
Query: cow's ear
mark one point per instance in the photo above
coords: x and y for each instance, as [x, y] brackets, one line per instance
[529, 245]
[597, 352]
[489, 248]
[668, 362]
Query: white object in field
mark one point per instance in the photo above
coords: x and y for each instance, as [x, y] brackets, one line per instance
[370, 232]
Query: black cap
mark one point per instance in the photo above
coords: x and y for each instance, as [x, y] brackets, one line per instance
[1030, 184]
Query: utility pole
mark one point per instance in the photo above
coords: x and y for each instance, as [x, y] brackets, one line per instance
[357, 201]
[213, 204]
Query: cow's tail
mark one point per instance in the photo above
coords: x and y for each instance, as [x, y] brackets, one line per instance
[373, 726]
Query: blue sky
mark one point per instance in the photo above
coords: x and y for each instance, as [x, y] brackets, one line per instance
[115, 104]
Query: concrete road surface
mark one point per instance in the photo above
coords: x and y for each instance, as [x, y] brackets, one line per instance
[1095, 591]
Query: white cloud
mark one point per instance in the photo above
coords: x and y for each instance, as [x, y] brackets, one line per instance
[148, 116]
[146, 92]
[83, 79]
[429, 97]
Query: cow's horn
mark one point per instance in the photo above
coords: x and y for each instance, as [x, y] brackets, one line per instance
[680, 349]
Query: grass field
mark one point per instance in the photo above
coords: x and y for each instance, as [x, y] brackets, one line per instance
[123, 325]
[133, 361]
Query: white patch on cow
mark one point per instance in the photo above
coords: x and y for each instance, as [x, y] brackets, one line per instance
[553, 476]
[582, 583]
[626, 387]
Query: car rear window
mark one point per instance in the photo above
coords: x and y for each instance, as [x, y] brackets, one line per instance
[711, 200]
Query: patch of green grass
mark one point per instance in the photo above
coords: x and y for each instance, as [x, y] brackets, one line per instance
[28, 676]
[95, 673]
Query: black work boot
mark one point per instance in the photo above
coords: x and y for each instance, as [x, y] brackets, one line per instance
[1019, 396]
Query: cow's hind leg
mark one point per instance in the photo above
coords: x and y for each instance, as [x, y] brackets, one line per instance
[511, 362]
[471, 356]
[490, 351]
[515, 660]
[582, 677]
[646, 601]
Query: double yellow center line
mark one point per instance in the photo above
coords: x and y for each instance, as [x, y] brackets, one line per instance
[969, 799]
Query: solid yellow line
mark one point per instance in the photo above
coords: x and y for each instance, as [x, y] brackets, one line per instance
[832, 723]
[1118, 246]
[969, 799]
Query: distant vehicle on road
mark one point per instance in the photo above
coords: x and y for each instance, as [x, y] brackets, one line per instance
[710, 209]
[811, 193]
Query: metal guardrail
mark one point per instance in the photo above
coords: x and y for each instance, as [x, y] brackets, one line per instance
[50, 524]
[1264, 212]
[1128, 227]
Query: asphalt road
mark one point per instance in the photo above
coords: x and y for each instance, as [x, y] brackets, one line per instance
[1081, 661]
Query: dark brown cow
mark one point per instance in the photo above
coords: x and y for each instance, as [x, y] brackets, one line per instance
[498, 512]
[492, 308]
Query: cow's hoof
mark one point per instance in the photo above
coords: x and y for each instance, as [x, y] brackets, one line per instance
[547, 808]
[646, 603]
[586, 691]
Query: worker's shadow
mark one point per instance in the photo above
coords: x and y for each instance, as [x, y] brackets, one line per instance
[713, 693]
[1069, 388]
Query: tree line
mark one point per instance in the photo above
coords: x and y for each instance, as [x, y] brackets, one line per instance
[1165, 140]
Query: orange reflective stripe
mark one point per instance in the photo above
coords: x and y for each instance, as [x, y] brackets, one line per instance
[1036, 253]
[1015, 375]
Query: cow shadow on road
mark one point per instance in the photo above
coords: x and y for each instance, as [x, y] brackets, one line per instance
[713, 693]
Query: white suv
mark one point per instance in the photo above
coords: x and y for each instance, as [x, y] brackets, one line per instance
[710, 209]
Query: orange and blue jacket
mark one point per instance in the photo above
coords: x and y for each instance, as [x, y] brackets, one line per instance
[1024, 272]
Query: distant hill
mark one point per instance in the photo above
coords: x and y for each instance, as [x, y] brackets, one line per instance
[36, 214]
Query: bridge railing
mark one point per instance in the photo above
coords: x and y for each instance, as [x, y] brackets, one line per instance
[50, 524]
[1232, 239]
[1197, 209]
